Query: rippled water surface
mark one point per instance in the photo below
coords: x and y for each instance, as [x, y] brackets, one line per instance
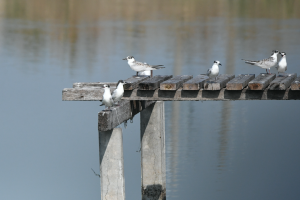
[214, 150]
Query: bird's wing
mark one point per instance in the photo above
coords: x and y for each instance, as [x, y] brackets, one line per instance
[114, 94]
[141, 63]
[111, 100]
[268, 62]
[147, 67]
[208, 72]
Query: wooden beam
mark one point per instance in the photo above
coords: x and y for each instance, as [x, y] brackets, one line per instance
[282, 82]
[196, 83]
[90, 94]
[296, 84]
[218, 84]
[261, 81]
[153, 83]
[212, 95]
[133, 82]
[109, 119]
[84, 94]
[175, 83]
[240, 82]
[95, 85]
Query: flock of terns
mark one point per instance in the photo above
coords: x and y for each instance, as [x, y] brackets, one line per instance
[141, 68]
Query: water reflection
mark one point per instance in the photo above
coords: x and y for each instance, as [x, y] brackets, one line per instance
[86, 40]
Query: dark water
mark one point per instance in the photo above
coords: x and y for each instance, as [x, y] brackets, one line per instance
[214, 150]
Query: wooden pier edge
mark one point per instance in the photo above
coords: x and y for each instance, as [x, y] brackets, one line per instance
[150, 104]
[109, 119]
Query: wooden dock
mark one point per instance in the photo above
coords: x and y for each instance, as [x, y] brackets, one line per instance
[146, 95]
[199, 88]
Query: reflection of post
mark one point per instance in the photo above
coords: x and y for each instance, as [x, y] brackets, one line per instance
[111, 164]
[153, 152]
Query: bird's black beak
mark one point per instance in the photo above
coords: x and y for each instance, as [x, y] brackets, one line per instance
[220, 64]
[124, 59]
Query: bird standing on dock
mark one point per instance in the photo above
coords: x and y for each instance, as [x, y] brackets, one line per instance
[265, 63]
[139, 66]
[107, 98]
[119, 92]
[282, 64]
[213, 72]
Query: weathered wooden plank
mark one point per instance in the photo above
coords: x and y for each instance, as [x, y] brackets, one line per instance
[94, 85]
[282, 82]
[261, 81]
[195, 83]
[218, 84]
[153, 83]
[84, 94]
[109, 119]
[175, 83]
[296, 84]
[238, 83]
[95, 94]
[133, 82]
[212, 95]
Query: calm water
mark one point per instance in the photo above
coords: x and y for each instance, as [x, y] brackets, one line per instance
[214, 150]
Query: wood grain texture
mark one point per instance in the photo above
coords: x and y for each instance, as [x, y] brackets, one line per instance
[282, 82]
[85, 94]
[175, 83]
[238, 83]
[213, 95]
[133, 82]
[296, 84]
[109, 119]
[195, 83]
[154, 82]
[95, 85]
[261, 81]
[212, 84]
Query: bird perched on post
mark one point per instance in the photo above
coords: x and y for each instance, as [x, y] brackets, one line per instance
[265, 63]
[107, 98]
[282, 64]
[119, 92]
[213, 72]
[140, 66]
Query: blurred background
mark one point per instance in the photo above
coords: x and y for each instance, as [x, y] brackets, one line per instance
[214, 150]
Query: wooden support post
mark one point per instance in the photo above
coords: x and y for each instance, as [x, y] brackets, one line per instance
[111, 164]
[153, 152]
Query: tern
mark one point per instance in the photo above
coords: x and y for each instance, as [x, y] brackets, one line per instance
[119, 92]
[265, 63]
[140, 66]
[107, 98]
[282, 64]
[213, 72]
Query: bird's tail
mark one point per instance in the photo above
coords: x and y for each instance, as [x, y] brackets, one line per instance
[157, 66]
[250, 62]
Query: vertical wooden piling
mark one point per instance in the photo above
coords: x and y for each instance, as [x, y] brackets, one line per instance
[111, 164]
[153, 152]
